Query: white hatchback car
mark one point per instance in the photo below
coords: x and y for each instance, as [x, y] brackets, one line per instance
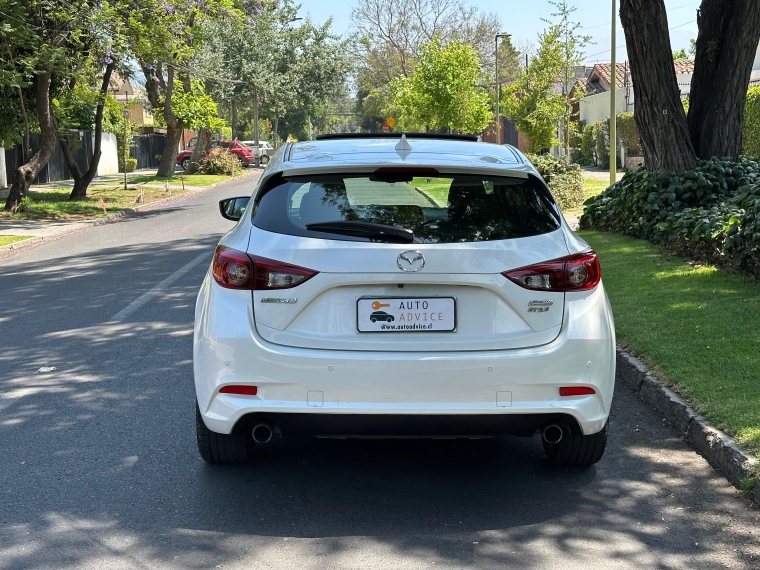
[418, 286]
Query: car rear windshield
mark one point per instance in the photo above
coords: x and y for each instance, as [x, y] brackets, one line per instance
[368, 207]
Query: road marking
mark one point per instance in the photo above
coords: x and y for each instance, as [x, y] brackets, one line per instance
[146, 297]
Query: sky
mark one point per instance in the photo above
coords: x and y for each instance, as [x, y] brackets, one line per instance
[522, 19]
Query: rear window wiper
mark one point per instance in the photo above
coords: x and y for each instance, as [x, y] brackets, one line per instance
[369, 230]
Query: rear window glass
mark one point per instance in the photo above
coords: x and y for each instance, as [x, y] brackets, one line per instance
[418, 210]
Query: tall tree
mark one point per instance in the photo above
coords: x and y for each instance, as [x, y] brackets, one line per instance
[443, 90]
[572, 45]
[729, 32]
[49, 40]
[389, 35]
[660, 117]
[532, 101]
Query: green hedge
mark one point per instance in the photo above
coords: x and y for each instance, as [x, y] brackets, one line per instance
[713, 211]
[564, 179]
[751, 132]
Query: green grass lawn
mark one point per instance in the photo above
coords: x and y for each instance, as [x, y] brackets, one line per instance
[696, 326]
[437, 189]
[190, 179]
[5, 240]
[593, 187]
[55, 204]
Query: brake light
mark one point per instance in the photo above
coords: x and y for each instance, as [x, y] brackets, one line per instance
[576, 391]
[235, 269]
[578, 272]
[244, 390]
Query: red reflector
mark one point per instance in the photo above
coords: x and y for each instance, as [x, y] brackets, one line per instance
[245, 390]
[576, 391]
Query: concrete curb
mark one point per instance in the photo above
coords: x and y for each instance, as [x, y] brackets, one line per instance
[22, 245]
[719, 449]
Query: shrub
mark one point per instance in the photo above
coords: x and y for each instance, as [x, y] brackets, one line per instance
[602, 144]
[588, 145]
[751, 132]
[628, 132]
[565, 180]
[131, 164]
[712, 211]
[220, 161]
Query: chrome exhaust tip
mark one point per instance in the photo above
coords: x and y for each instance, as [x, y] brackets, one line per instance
[552, 433]
[262, 433]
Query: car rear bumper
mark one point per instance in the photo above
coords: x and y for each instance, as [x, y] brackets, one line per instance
[336, 392]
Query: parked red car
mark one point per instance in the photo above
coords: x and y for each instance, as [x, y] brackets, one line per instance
[244, 153]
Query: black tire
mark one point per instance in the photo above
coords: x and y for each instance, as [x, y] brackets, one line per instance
[264, 160]
[373, 319]
[221, 448]
[577, 450]
[185, 164]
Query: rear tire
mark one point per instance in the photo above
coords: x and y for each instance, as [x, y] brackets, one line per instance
[221, 448]
[577, 450]
[185, 164]
[264, 160]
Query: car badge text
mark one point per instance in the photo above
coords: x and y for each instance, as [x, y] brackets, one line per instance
[290, 301]
[539, 305]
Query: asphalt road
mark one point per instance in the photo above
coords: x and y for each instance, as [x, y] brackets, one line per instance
[99, 467]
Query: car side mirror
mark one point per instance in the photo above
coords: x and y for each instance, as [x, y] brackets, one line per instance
[233, 208]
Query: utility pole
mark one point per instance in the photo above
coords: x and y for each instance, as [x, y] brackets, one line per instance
[498, 84]
[613, 105]
[257, 162]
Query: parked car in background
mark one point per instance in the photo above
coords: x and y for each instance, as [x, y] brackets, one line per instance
[266, 149]
[243, 152]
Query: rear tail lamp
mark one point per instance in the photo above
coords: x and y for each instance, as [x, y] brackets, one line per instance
[576, 391]
[237, 389]
[235, 269]
[578, 272]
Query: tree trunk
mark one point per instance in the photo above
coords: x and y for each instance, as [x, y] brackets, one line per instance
[204, 141]
[234, 120]
[25, 173]
[82, 181]
[275, 130]
[660, 117]
[729, 32]
[154, 83]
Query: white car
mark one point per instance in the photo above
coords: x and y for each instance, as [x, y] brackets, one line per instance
[381, 286]
[263, 149]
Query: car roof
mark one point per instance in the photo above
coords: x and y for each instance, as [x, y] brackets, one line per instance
[347, 154]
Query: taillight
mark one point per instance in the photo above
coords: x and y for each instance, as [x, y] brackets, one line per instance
[578, 272]
[238, 270]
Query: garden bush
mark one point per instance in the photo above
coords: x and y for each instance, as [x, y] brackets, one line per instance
[131, 164]
[588, 145]
[564, 179]
[751, 134]
[712, 211]
[220, 161]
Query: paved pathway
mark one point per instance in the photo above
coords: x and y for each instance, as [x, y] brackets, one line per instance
[99, 468]
[597, 174]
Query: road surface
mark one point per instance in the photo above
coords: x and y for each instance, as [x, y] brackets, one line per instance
[99, 467]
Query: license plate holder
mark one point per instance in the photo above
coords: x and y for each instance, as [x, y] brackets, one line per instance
[406, 314]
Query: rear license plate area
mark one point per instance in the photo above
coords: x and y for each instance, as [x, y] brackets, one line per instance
[406, 314]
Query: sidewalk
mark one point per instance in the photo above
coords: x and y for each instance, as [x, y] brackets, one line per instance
[595, 173]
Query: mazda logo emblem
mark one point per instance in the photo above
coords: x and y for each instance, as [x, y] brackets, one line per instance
[410, 261]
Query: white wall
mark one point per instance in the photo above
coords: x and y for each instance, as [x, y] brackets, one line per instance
[3, 174]
[109, 160]
[596, 108]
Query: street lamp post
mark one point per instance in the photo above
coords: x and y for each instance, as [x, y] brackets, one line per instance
[613, 102]
[498, 85]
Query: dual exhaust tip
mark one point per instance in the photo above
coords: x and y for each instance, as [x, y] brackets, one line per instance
[552, 433]
[262, 433]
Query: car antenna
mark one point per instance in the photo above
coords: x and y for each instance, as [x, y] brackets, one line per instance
[403, 148]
